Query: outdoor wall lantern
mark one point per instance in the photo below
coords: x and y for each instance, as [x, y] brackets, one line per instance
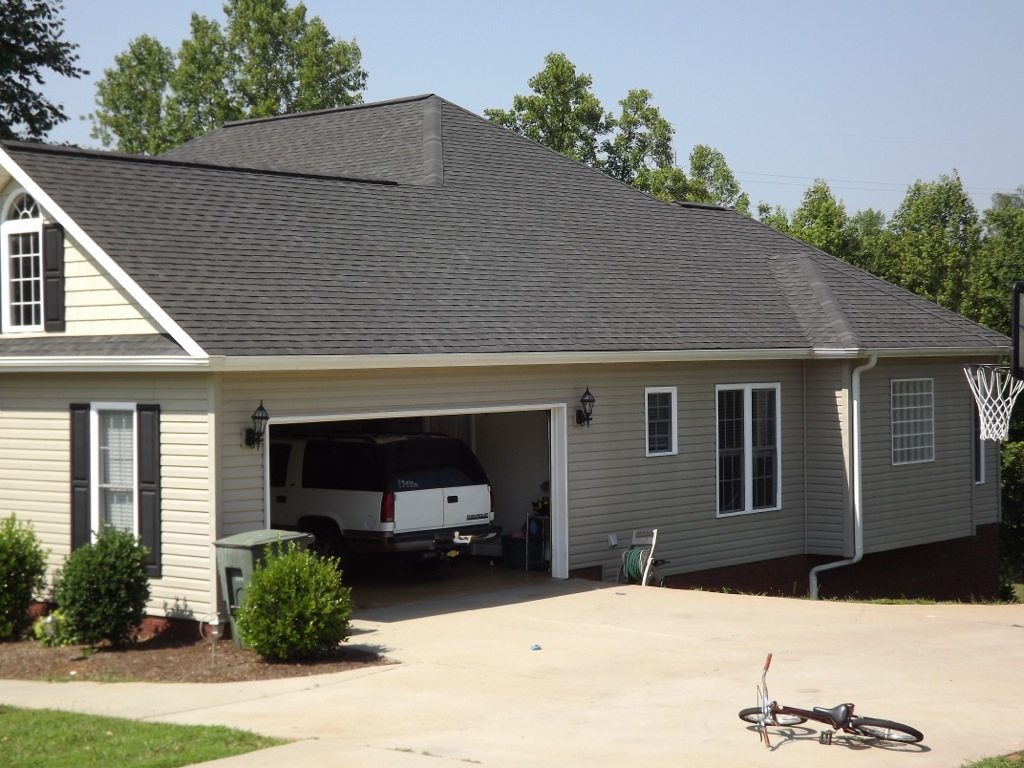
[584, 414]
[254, 434]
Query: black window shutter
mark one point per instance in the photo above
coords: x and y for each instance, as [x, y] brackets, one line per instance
[149, 485]
[81, 512]
[53, 277]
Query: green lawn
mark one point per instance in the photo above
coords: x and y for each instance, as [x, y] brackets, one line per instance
[43, 738]
[1012, 761]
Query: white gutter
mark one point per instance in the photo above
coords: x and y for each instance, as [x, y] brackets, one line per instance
[104, 364]
[267, 363]
[858, 500]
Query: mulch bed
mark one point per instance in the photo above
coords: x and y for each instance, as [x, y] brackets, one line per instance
[165, 659]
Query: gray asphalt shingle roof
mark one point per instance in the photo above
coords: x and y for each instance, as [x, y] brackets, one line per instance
[55, 345]
[485, 242]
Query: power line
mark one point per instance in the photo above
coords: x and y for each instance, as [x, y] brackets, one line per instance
[871, 186]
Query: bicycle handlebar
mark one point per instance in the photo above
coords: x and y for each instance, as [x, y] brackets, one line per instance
[767, 662]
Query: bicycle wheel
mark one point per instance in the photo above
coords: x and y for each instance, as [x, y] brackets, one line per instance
[754, 715]
[886, 730]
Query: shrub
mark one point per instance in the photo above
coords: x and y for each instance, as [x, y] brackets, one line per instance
[52, 630]
[295, 605]
[103, 589]
[22, 568]
[1011, 534]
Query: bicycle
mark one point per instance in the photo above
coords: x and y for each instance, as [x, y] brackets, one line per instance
[839, 718]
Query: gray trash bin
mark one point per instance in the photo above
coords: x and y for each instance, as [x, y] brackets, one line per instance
[237, 557]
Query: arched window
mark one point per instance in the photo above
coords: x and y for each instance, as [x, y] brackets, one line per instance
[23, 206]
[21, 268]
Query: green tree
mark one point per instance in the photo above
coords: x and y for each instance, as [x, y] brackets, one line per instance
[937, 236]
[873, 241]
[712, 181]
[821, 221]
[137, 84]
[198, 97]
[30, 44]
[641, 143]
[774, 217]
[999, 262]
[563, 114]
[267, 60]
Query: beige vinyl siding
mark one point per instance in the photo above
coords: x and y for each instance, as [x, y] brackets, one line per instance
[35, 470]
[930, 501]
[613, 487]
[828, 460]
[93, 305]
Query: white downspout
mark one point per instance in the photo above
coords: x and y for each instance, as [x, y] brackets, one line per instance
[858, 509]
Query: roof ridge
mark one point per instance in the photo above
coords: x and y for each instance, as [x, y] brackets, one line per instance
[40, 148]
[433, 142]
[327, 111]
[810, 269]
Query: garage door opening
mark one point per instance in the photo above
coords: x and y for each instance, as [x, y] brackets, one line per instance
[521, 451]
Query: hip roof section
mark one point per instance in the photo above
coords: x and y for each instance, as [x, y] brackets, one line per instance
[276, 237]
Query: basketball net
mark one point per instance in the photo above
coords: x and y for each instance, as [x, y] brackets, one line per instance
[995, 392]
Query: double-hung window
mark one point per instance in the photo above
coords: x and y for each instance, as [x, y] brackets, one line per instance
[661, 432]
[913, 421]
[22, 288]
[113, 455]
[749, 448]
[31, 268]
[115, 474]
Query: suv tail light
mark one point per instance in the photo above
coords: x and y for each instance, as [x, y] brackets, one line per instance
[387, 508]
[490, 490]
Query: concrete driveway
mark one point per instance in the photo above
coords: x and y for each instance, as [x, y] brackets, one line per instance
[582, 674]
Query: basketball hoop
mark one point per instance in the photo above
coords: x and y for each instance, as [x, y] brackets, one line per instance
[995, 391]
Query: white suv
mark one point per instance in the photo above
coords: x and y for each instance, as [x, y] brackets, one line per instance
[381, 493]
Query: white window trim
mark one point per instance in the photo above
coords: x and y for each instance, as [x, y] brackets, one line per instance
[17, 227]
[94, 463]
[674, 448]
[748, 453]
[892, 422]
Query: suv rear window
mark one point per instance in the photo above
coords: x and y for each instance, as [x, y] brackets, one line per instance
[421, 464]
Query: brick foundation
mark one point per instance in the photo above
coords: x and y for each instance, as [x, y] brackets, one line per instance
[593, 573]
[959, 569]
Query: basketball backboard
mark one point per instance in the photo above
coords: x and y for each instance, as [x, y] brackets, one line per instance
[1016, 333]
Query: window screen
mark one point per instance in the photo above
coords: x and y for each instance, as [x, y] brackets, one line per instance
[117, 469]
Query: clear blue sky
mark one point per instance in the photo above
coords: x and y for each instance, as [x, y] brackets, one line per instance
[869, 95]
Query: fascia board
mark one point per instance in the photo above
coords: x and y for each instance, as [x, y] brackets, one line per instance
[111, 267]
[472, 360]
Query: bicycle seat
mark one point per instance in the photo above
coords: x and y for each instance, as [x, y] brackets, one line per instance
[840, 715]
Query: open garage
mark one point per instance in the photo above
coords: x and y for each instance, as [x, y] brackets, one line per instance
[514, 447]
